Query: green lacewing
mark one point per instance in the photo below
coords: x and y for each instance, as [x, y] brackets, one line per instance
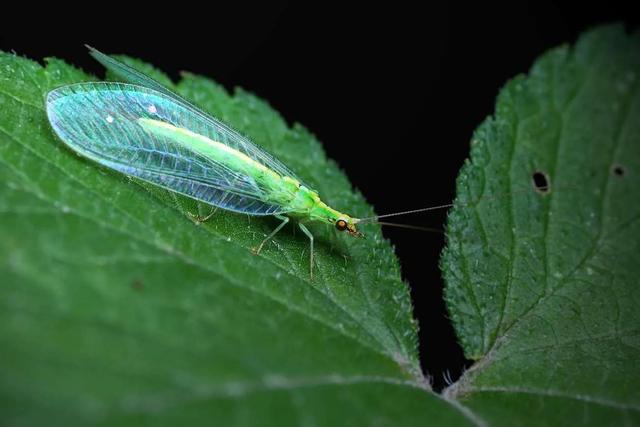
[142, 129]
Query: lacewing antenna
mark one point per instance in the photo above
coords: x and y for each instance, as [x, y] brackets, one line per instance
[412, 227]
[537, 188]
[430, 208]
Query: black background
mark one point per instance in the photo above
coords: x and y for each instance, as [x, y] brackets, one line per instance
[393, 92]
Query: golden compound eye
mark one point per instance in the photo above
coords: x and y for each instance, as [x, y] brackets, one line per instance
[341, 224]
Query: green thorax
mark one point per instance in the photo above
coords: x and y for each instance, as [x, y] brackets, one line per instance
[307, 204]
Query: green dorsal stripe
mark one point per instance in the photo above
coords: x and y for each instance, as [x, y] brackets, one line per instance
[209, 148]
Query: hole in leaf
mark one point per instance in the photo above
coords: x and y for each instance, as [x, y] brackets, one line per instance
[618, 170]
[541, 182]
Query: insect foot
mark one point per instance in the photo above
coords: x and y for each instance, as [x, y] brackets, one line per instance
[197, 219]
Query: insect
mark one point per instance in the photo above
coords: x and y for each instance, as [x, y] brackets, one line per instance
[143, 129]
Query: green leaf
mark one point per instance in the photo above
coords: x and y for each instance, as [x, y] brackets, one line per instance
[115, 308]
[543, 287]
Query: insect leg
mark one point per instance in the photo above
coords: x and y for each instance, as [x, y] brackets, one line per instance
[306, 231]
[198, 219]
[285, 220]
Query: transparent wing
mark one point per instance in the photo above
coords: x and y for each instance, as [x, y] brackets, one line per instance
[133, 76]
[102, 121]
[129, 74]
